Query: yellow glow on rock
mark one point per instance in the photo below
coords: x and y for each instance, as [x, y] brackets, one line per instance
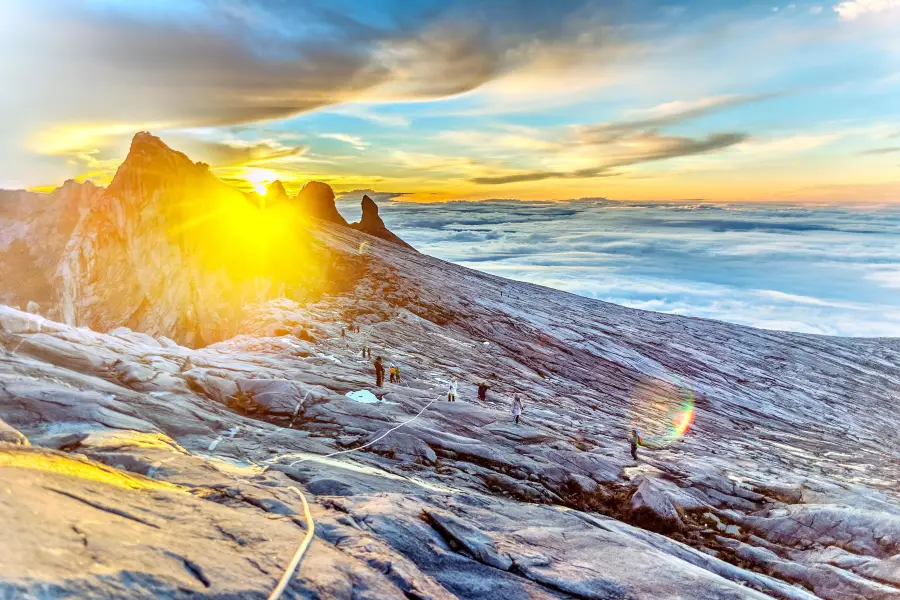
[82, 468]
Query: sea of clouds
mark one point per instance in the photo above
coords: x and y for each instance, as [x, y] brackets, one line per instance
[827, 270]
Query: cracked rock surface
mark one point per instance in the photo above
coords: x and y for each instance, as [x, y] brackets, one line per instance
[131, 466]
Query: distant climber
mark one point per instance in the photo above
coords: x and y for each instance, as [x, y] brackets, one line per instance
[393, 374]
[454, 388]
[343, 332]
[482, 391]
[517, 408]
[379, 371]
[397, 373]
[636, 440]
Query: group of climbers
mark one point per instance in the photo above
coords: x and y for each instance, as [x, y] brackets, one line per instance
[517, 406]
[394, 372]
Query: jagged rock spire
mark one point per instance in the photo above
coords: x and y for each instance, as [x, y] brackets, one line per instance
[372, 224]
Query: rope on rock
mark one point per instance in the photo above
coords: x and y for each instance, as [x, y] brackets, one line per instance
[367, 444]
[310, 524]
[301, 549]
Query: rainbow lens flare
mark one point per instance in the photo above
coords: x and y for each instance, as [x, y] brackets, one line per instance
[663, 412]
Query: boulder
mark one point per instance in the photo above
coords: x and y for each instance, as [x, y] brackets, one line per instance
[654, 508]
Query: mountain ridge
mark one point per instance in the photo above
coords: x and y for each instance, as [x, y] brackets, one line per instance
[166, 233]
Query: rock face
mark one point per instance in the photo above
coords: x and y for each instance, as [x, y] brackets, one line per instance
[34, 231]
[782, 488]
[275, 195]
[167, 249]
[372, 224]
[317, 200]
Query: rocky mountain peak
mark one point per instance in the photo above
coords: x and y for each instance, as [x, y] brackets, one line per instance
[370, 222]
[370, 216]
[275, 194]
[147, 147]
[150, 157]
[71, 185]
[317, 200]
[169, 249]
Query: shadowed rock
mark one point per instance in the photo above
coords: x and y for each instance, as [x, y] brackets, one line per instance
[275, 195]
[372, 224]
[317, 200]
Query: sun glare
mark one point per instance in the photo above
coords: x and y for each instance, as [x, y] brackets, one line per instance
[260, 179]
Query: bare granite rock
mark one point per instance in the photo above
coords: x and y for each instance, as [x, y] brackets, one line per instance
[161, 464]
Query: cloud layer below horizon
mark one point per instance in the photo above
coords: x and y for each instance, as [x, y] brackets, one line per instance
[824, 270]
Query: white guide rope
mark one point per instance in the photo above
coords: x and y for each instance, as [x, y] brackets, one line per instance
[301, 550]
[310, 525]
[367, 444]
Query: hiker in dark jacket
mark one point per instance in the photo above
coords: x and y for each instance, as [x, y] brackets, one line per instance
[379, 371]
[482, 391]
[636, 441]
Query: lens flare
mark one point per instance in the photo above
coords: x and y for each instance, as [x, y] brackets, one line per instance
[663, 412]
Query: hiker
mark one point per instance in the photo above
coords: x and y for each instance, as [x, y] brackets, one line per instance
[451, 393]
[517, 407]
[363, 351]
[636, 440]
[482, 391]
[397, 373]
[379, 371]
[343, 332]
[393, 371]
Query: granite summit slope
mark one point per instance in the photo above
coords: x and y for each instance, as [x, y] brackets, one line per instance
[134, 486]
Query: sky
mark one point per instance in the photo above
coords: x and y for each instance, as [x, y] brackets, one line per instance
[420, 100]
[812, 269]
